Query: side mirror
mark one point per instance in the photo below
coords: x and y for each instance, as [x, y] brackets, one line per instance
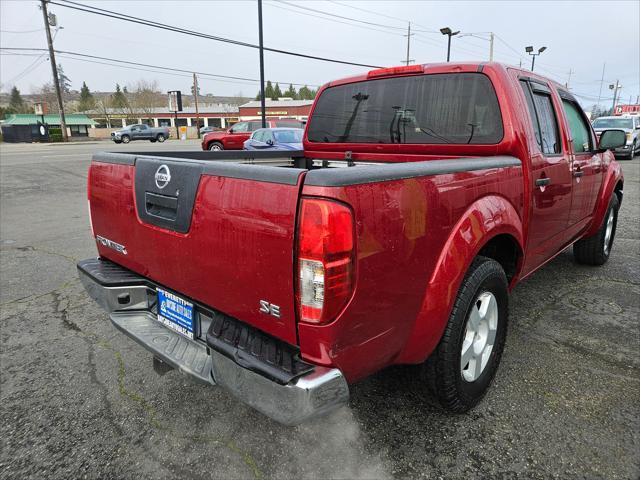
[612, 139]
[270, 142]
[231, 130]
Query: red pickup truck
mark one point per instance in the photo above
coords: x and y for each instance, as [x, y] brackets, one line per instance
[424, 194]
[238, 133]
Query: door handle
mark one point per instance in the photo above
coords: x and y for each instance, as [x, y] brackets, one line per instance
[541, 182]
[578, 173]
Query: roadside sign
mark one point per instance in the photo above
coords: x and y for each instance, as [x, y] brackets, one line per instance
[175, 101]
[38, 108]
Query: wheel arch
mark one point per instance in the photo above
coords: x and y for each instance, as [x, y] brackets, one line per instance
[612, 183]
[491, 227]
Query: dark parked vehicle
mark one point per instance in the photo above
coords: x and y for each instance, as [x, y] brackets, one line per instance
[140, 132]
[275, 139]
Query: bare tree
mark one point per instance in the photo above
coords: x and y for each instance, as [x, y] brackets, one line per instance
[103, 105]
[145, 97]
[47, 94]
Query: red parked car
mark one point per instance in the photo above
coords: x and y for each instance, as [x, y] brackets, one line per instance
[425, 194]
[234, 137]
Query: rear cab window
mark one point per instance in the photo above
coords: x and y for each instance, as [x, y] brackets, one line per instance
[455, 108]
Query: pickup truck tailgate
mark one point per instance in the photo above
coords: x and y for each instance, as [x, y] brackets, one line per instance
[219, 233]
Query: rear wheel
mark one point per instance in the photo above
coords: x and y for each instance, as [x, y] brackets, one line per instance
[160, 138]
[125, 139]
[463, 365]
[595, 250]
[216, 146]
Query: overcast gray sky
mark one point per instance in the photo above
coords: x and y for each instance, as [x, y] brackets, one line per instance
[580, 37]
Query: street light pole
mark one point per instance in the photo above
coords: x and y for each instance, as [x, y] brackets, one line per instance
[54, 70]
[529, 50]
[447, 31]
[262, 100]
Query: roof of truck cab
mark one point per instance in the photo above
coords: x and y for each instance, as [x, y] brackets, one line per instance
[447, 67]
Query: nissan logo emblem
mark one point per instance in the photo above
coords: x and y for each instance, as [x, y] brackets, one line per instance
[162, 176]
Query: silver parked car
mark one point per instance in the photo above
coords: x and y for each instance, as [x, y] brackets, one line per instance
[140, 131]
[631, 126]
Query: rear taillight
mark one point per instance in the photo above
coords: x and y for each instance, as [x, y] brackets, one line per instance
[325, 259]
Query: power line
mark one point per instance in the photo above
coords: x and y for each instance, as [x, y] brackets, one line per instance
[332, 19]
[163, 26]
[147, 65]
[404, 20]
[340, 16]
[36, 63]
[22, 31]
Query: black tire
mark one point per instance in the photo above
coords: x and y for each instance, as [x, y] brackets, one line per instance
[591, 250]
[125, 139]
[152, 140]
[117, 141]
[443, 371]
[216, 146]
[160, 138]
[632, 153]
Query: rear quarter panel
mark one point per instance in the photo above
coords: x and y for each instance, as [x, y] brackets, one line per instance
[415, 239]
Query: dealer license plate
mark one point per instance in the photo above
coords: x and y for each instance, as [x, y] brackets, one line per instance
[175, 313]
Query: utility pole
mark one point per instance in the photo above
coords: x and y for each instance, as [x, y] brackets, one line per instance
[491, 35]
[569, 79]
[195, 99]
[408, 35]
[262, 100]
[54, 70]
[601, 82]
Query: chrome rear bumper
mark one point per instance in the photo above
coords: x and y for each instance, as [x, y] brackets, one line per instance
[128, 300]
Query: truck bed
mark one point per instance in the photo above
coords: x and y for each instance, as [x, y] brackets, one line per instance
[222, 232]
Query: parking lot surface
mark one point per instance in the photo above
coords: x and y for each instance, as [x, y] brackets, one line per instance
[80, 399]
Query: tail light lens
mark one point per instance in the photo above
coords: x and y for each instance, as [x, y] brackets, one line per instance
[325, 259]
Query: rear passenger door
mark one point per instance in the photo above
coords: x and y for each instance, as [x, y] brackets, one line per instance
[586, 163]
[550, 176]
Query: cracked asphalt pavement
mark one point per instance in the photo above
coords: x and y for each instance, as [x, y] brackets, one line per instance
[80, 400]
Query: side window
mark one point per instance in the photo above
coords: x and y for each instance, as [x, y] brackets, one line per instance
[548, 123]
[532, 111]
[258, 135]
[253, 126]
[579, 130]
[241, 127]
[268, 135]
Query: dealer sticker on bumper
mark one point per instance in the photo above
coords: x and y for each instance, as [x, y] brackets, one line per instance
[175, 312]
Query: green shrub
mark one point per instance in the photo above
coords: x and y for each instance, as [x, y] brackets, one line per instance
[55, 134]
